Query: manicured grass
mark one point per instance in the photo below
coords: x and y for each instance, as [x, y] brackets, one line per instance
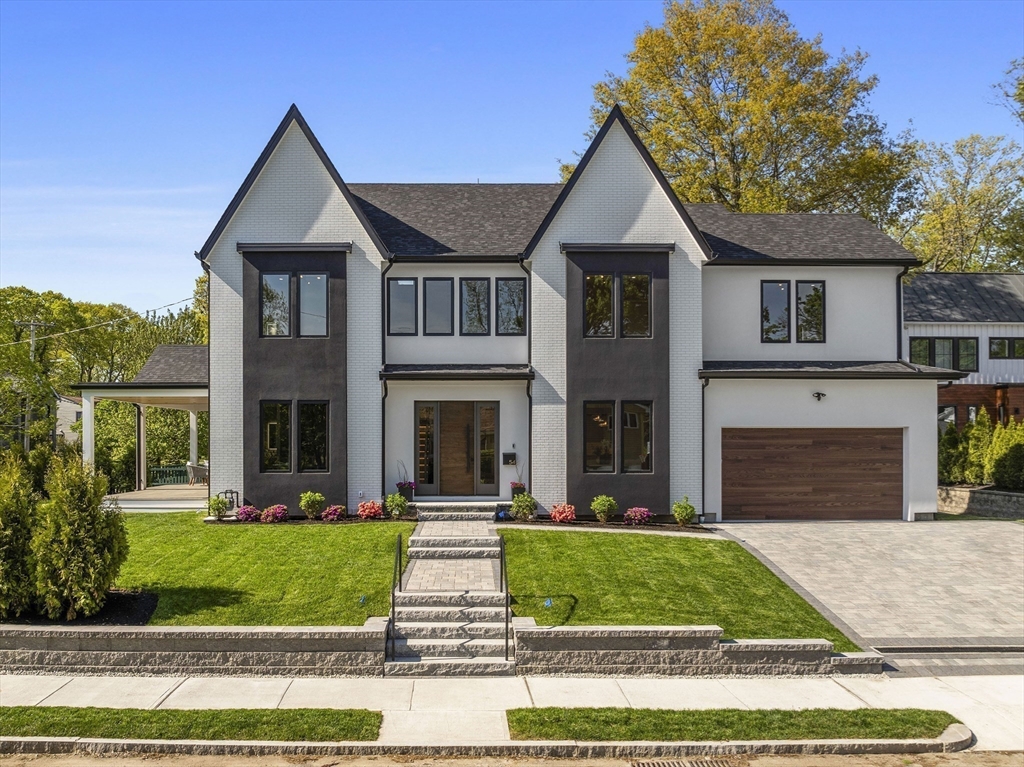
[261, 575]
[723, 724]
[604, 578]
[313, 724]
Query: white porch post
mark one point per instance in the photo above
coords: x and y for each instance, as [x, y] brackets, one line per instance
[193, 437]
[88, 430]
[143, 470]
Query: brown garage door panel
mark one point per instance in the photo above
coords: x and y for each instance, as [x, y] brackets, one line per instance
[812, 474]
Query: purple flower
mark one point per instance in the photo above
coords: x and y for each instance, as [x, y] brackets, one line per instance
[333, 513]
[248, 514]
[638, 515]
[275, 513]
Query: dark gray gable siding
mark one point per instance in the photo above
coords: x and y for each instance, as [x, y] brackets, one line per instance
[964, 297]
[176, 364]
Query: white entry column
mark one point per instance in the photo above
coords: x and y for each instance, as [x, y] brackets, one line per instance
[143, 469]
[193, 437]
[88, 430]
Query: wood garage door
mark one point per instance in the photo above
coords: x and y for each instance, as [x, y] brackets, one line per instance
[812, 474]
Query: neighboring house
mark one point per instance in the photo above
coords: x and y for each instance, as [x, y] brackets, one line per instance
[69, 412]
[593, 337]
[972, 322]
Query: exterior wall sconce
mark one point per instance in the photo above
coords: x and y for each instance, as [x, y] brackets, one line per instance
[818, 395]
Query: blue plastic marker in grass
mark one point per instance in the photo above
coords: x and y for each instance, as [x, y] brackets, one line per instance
[547, 602]
[362, 600]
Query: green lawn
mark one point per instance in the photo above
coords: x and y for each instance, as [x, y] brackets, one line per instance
[260, 575]
[617, 579]
[723, 724]
[310, 724]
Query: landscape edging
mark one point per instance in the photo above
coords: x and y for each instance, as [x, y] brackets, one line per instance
[955, 738]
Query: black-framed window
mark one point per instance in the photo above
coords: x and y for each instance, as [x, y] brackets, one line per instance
[635, 425]
[275, 304]
[1006, 348]
[275, 436]
[949, 353]
[402, 301]
[598, 320]
[313, 304]
[475, 304]
[774, 312]
[636, 305]
[510, 306]
[438, 306]
[810, 311]
[314, 433]
[599, 437]
[947, 417]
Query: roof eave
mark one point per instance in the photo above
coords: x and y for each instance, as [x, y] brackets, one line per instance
[896, 262]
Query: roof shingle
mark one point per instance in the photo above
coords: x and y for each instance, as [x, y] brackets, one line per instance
[964, 297]
[176, 364]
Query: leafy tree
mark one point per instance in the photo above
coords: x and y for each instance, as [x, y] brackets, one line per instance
[978, 440]
[16, 508]
[738, 109]
[951, 469]
[970, 217]
[1010, 91]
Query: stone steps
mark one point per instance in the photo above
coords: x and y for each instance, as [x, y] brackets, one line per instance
[450, 599]
[450, 648]
[448, 614]
[454, 515]
[454, 541]
[427, 667]
[431, 552]
[450, 630]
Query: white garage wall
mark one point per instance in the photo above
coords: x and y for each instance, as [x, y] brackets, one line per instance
[513, 424]
[909, 405]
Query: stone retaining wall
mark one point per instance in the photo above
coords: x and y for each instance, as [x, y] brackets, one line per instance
[673, 651]
[982, 502]
[195, 650]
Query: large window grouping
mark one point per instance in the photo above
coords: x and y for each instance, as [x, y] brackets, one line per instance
[310, 313]
[1006, 348]
[313, 431]
[602, 313]
[475, 317]
[510, 298]
[949, 353]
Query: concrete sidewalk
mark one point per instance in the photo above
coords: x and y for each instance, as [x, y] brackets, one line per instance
[467, 711]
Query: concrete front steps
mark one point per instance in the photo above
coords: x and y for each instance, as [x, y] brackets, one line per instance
[454, 547]
[441, 511]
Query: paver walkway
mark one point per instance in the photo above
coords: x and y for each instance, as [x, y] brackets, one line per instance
[906, 584]
[461, 711]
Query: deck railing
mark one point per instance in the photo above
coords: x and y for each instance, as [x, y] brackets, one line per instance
[167, 475]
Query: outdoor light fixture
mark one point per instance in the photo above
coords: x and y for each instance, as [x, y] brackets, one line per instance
[818, 395]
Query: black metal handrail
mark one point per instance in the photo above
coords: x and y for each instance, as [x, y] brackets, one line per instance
[503, 584]
[396, 588]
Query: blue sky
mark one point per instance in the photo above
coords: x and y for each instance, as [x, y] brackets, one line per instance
[125, 128]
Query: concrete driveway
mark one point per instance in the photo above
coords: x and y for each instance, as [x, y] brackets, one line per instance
[949, 584]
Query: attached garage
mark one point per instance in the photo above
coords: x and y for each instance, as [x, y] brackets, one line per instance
[816, 473]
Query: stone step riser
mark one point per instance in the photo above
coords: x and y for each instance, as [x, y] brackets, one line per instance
[454, 541]
[450, 614]
[451, 631]
[450, 667]
[463, 648]
[455, 516]
[449, 599]
[416, 552]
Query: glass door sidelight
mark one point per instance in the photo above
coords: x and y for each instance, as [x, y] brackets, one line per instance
[456, 448]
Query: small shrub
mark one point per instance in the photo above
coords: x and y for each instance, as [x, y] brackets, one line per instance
[248, 514]
[683, 511]
[637, 515]
[79, 544]
[396, 505]
[333, 513]
[276, 513]
[311, 503]
[563, 512]
[370, 510]
[16, 508]
[978, 441]
[523, 507]
[217, 506]
[1008, 470]
[604, 507]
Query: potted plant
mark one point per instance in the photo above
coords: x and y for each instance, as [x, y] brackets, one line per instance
[518, 488]
[406, 489]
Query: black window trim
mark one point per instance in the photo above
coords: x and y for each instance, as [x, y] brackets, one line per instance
[622, 434]
[796, 304]
[415, 305]
[615, 435]
[291, 301]
[614, 324]
[621, 293]
[951, 407]
[298, 303]
[956, 350]
[462, 329]
[298, 436]
[1010, 344]
[451, 306]
[291, 436]
[497, 327]
[789, 312]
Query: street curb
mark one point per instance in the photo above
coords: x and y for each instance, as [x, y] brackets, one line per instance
[955, 738]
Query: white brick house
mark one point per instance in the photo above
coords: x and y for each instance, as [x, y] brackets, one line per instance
[596, 337]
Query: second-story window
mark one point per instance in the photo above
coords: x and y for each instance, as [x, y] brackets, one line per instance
[774, 312]
[598, 321]
[313, 304]
[438, 306]
[1006, 348]
[275, 305]
[950, 353]
[402, 306]
[510, 309]
[636, 305]
[810, 312]
[475, 319]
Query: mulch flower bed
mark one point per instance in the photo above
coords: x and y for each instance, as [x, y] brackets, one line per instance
[617, 524]
[123, 608]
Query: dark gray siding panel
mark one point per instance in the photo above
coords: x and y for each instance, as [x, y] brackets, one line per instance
[619, 369]
[294, 369]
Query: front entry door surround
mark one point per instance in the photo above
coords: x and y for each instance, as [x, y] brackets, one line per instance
[456, 448]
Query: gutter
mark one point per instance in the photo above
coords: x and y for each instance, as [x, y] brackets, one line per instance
[384, 383]
[703, 446]
[899, 312]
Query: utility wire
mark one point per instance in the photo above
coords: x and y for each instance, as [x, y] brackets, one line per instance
[90, 327]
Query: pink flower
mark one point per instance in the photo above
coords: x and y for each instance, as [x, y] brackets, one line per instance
[638, 515]
[275, 513]
[248, 514]
[333, 513]
[563, 512]
[370, 510]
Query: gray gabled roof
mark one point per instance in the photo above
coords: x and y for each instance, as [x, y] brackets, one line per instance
[779, 238]
[455, 219]
[964, 297]
[176, 364]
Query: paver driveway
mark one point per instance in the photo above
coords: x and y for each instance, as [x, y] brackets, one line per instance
[898, 583]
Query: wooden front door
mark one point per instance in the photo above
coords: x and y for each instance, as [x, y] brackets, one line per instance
[812, 474]
[456, 448]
